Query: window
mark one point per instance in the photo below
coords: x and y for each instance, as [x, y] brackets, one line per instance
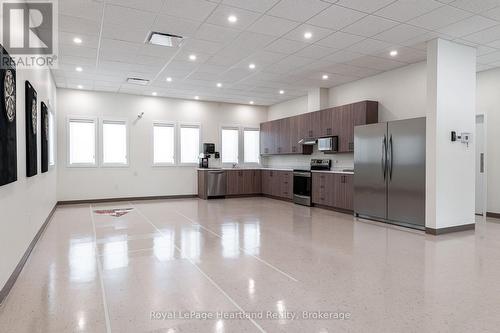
[229, 145]
[52, 132]
[114, 143]
[163, 144]
[251, 145]
[190, 144]
[82, 142]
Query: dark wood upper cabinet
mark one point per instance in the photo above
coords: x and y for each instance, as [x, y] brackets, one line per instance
[282, 136]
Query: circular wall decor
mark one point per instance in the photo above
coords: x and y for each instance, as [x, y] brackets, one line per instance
[33, 115]
[9, 94]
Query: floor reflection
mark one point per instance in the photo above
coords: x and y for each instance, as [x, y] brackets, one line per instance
[190, 243]
[230, 240]
[164, 245]
[115, 254]
[82, 260]
[252, 238]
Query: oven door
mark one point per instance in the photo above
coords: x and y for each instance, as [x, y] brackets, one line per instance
[302, 188]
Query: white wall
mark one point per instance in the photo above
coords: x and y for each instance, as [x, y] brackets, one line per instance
[289, 108]
[26, 203]
[140, 178]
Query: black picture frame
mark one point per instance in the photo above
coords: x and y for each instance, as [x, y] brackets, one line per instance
[8, 119]
[31, 130]
[44, 134]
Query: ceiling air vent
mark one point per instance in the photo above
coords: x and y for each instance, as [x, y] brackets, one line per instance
[158, 38]
[134, 80]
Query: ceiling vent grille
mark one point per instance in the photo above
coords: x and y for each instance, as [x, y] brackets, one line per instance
[140, 82]
[162, 39]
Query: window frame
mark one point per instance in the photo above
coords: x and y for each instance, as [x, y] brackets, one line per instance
[181, 125]
[230, 127]
[113, 120]
[176, 141]
[250, 128]
[82, 119]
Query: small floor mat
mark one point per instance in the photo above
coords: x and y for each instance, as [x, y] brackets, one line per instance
[113, 212]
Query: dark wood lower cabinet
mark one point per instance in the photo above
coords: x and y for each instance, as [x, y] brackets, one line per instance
[243, 182]
[277, 183]
[333, 190]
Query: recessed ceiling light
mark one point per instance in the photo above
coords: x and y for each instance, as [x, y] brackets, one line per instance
[219, 85]
[162, 39]
[79, 69]
[169, 79]
[196, 97]
[154, 93]
[282, 92]
[77, 40]
[325, 77]
[192, 57]
[393, 53]
[80, 86]
[251, 66]
[308, 35]
[232, 18]
[251, 102]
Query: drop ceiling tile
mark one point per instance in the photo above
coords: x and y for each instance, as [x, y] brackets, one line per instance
[369, 46]
[212, 69]
[113, 66]
[336, 17]
[251, 41]
[489, 58]
[440, 18]
[157, 51]
[134, 18]
[400, 33]
[76, 60]
[260, 6]
[376, 63]
[476, 6]
[245, 17]
[272, 26]
[405, 54]
[486, 36]
[216, 33]
[285, 46]
[317, 33]
[370, 26]
[183, 55]
[493, 13]
[363, 5]
[315, 51]
[298, 10]
[482, 67]
[234, 74]
[148, 60]
[340, 40]
[150, 5]
[342, 56]
[491, 46]
[78, 25]
[91, 11]
[77, 51]
[196, 10]
[405, 10]
[66, 38]
[175, 26]
[199, 45]
[468, 26]
[261, 59]
[202, 76]
[114, 31]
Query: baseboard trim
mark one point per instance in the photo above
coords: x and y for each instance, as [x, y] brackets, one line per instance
[338, 210]
[458, 228]
[276, 198]
[493, 215]
[17, 271]
[95, 201]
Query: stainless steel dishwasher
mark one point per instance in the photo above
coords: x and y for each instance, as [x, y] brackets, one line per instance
[216, 183]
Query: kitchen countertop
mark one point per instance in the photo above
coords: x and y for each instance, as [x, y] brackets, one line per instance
[340, 171]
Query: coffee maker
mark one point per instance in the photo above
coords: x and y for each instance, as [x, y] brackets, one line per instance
[208, 150]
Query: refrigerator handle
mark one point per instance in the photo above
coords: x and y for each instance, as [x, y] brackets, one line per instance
[390, 157]
[384, 157]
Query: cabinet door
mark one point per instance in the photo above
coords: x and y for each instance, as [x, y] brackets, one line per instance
[294, 137]
[326, 122]
[275, 184]
[343, 192]
[232, 182]
[323, 192]
[348, 186]
[346, 135]
[284, 136]
[245, 181]
[317, 193]
[266, 181]
[265, 137]
[256, 182]
[275, 134]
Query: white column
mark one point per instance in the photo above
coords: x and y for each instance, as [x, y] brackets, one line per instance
[451, 98]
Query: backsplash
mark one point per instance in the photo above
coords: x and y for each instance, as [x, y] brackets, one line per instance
[343, 161]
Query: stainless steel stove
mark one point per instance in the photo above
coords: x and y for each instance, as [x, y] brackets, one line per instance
[302, 181]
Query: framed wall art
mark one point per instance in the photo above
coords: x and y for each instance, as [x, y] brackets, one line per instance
[8, 140]
[31, 130]
[44, 113]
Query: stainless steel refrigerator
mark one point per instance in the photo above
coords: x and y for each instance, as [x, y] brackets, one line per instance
[389, 172]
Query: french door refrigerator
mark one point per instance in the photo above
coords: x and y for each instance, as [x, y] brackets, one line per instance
[389, 172]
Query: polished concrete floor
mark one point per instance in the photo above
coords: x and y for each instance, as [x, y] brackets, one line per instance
[251, 265]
